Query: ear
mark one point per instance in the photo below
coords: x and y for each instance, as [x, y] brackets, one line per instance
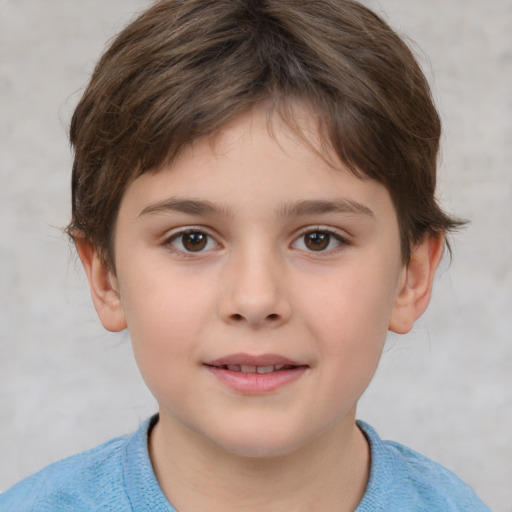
[415, 288]
[104, 288]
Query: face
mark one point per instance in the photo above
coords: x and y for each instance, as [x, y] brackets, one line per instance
[257, 283]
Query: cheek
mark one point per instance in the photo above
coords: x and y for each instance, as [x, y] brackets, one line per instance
[351, 303]
[165, 318]
[350, 316]
[350, 331]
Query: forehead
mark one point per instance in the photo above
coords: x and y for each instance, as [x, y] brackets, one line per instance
[259, 161]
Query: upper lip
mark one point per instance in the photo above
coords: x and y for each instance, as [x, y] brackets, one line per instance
[254, 360]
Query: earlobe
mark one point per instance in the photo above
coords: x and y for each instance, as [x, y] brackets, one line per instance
[103, 286]
[415, 288]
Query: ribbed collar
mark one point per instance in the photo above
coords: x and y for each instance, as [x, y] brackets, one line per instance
[145, 493]
[379, 486]
[142, 487]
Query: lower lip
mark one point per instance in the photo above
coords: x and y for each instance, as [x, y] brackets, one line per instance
[257, 383]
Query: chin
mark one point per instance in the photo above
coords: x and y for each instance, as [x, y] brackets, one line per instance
[265, 444]
[259, 450]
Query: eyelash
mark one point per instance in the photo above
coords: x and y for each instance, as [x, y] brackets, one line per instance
[189, 231]
[331, 234]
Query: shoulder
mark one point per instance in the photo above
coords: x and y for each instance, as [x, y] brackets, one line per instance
[403, 479]
[86, 481]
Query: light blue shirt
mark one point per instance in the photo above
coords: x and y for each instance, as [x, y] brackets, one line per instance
[118, 477]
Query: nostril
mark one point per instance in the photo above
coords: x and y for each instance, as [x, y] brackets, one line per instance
[237, 317]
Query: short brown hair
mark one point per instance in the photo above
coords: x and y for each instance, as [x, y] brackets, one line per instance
[184, 68]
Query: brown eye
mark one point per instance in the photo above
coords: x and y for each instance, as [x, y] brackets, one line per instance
[194, 241]
[320, 240]
[317, 240]
[189, 241]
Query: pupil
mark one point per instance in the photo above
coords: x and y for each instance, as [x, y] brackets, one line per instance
[194, 241]
[317, 241]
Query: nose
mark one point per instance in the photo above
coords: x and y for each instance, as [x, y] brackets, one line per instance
[255, 291]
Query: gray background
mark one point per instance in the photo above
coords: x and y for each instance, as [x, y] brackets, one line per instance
[66, 385]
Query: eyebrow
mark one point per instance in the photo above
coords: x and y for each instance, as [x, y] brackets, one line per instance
[187, 206]
[317, 207]
[305, 207]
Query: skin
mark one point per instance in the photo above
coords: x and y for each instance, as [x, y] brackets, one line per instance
[259, 200]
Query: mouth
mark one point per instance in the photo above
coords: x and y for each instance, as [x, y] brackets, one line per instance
[256, 375]
[246, 363]
[263, 369]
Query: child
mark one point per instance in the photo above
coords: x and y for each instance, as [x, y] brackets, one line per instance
[253, 199]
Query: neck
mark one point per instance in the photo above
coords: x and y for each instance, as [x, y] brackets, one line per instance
[329, 474]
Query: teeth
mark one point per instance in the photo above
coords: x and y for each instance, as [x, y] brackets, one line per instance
[265, 369]
[246, 368]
